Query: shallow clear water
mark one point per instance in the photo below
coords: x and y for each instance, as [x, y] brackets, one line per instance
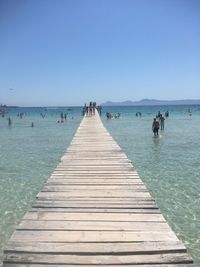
[27, 157]
[169, 165]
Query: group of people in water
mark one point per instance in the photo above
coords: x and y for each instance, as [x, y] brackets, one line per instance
[159, 122]
[138, 114]
[18, 115]
[63, 117]
[109, 115]
[89, 110]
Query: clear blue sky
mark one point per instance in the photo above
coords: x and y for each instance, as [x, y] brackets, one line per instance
[68, 52]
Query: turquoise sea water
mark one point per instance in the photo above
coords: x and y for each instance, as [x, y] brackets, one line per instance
[169, 165]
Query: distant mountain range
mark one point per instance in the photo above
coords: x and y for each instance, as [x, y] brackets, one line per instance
[153, 102]
[5, 106]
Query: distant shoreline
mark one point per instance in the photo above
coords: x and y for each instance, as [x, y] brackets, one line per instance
[148, 103]
[64, 107]
[156, 105]
[154, 102]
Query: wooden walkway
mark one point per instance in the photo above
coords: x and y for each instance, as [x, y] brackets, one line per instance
[94, 211]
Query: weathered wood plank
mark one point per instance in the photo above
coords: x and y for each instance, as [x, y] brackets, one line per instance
[88, 182]
[91, 225]
[97, 248]
[57, 204]
[94, 162]
[167, 258]
[92, 193]
[122, 200]
[97, 199]
[102, 265]
[97, 210]
[100, 169]
[91, 236]
[93, 216]
[94, 187]
[96, 175]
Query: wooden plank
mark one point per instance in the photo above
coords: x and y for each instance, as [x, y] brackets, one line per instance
[100, 169]
[122, 200]
[76, 158]
[63, 204]
[96, 171]
[97, 176]
[99, 163]
[91, 225]
[102, 265]
[59, 204]
[97, 248]
[167, 258]
[116, 177]
[93, 176]
[58, 216]
[88, 182]
[92, 193]
[97, 210]
[60, 188]
[92, 236]
[67, 158]
[101, 200]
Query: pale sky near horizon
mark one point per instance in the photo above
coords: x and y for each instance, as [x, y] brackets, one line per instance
[68, 52]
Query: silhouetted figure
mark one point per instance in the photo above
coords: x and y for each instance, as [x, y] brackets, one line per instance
[162, 122]
[90, 108]
[159, 114]
[155, 127]
[42, 115]
[117, 116]
[84, 110]
[99, 108]
[9, 121]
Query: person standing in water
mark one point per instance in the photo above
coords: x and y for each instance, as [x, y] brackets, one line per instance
[162, 122]
[155, 127]
[9, 121]
[167, 114]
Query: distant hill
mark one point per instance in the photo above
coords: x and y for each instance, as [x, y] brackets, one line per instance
[5, 106]
[153, 102]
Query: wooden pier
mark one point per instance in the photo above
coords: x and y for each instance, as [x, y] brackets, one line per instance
[94, 210]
